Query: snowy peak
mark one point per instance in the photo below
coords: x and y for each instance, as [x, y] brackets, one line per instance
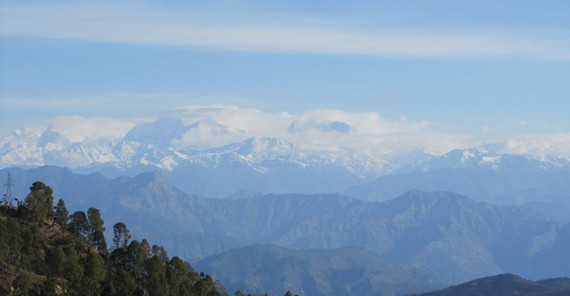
[484, 158]
[337, 126]
[266, 146]
[277, 164]
[52, 140]
[208, 126]
[159, 133]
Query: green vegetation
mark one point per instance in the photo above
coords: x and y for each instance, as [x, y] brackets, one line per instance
[46, 251]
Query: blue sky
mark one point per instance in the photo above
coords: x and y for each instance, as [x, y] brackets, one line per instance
[490, 69]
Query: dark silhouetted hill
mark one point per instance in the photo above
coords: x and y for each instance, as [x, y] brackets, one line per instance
[452, 235]
[507, 285]
[347, 271]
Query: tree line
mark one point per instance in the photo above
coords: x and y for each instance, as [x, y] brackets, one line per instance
[45, 250]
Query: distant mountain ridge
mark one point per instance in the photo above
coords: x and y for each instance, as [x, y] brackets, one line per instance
[486, 157]
[348, 271]
[267, 165]
[259, 164]
[481, 174]
[507, 285]
[517, 186]
[454, 236]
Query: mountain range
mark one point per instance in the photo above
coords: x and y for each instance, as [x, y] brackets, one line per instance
[502, 187]
[451, 235]
[264, 212]
[346, 271]
[265, 165]
[507, 285]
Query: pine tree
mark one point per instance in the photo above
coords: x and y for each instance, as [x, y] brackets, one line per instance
[181, 276]
[57, 261]
[60, 215]
[94, 274]
[156, 282]
[78, 224]
[96, 235]
[121, 235]
[160, 252]
[146, 248]
[37, 206]
[72, 268]
[73, 271]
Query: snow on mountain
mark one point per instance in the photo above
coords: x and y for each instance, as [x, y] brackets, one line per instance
[157, 145]
[159, 133]
[487, 157]
[260, 164]
[52, 140]
[209, 126]
[481, 173]
[20, 148]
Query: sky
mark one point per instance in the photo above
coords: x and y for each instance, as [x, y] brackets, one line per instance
[468, 71]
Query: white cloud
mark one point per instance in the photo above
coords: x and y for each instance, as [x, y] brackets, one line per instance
[368, 132]
[548, 144]
[137, 23]
[77, 129]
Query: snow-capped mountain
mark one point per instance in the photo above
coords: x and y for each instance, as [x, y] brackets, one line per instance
[482, 173]
[158, 133]
[486, 157]
[258, 164]
[263, 164]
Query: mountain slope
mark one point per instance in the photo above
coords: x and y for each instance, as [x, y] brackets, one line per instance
[211, 159]
[488, 156]
[347, 271]
[266, 165]
[507, 285]
[68, 256]
[454, 236]
[496, 186]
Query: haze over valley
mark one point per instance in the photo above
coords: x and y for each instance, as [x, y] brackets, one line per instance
[285, 148]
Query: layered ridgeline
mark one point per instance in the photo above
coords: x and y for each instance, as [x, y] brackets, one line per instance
[451, 235]
[505, 179]
[45, 250]
[507, 285]
[274, 165]
[540, 183]
[315, 272]
[266, 165]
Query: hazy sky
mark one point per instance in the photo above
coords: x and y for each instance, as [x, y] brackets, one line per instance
[487, 69]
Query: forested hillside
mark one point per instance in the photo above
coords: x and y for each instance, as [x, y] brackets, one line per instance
[452, 235]
[44, 250]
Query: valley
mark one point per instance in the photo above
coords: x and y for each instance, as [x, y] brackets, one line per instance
[449, 238]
